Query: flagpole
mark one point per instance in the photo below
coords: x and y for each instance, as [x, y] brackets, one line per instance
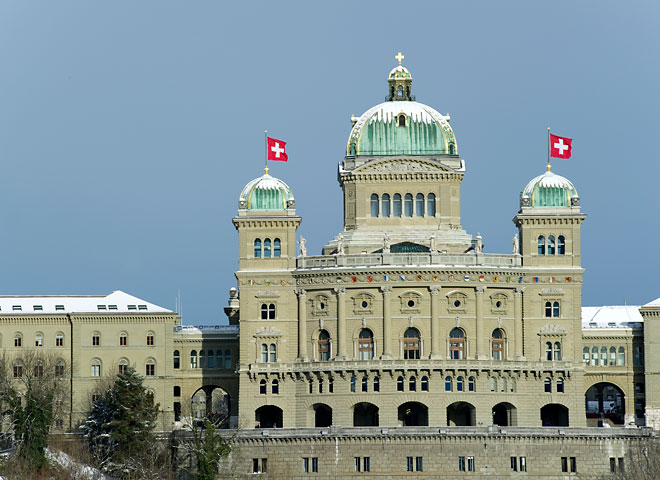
[266, 150]
[548, 147]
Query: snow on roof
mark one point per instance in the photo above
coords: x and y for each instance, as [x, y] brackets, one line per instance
[116, 302]
[199, 329]
[653, 303]
[612, 316]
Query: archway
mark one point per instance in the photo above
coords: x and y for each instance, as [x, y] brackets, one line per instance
[365, 415]
[504, 415]
[604, 402]
[268, 416]
[554, 415]
[211, 402]
[322, 415]
[461, 414]
[413, 414]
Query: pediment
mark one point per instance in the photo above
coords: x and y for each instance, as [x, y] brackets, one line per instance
[402, 165]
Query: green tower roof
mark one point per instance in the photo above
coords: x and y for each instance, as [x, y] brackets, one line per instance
[266, 193]
[549, 190]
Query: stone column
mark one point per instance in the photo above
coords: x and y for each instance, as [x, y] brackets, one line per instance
[341, 323]
[480, 332]
[517, 324]
[387, 322]
[302, 325]
[436, 335]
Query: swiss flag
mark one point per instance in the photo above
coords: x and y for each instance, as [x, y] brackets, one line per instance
[560, 147]
[277, 150]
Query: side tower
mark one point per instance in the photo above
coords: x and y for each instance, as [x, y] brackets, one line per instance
[651, 314]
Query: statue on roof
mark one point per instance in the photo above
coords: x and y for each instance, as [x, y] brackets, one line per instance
[516, 244]
[386, 243]
[434, 244]
[479, 247]
[303, 247]
[340, 244]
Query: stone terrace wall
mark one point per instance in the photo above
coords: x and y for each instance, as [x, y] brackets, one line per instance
[335, 449]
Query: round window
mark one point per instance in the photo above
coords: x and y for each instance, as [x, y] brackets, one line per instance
[364, 304]
[457, 303]
[411, 303]
[498, 304]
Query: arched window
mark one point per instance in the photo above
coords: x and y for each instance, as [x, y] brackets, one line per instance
[502, 383]
[456, 344]
[353, 384]
[541, 245]
[603, 356]
[419, 205]
[408, 205]
[376, 384]
[397, 205]
[271, 311]
[555, 309]
[399, 384]
[459, 384]
[39, 340]
[612, 356]
[548, 351]
[150, 368]
[548, 309]
[411, 344]
[123, 339]
[267, 248]
[402, 117]
[561, 245]
[448, 384]
[399, 91]
[560, 385]
[425, 384]
[262, 387]
[551, 245]
[150, 339]
[59, 369]
[59, 339]
[177, 359]
[18, 369]
[324, 346]
[18, 340]
[210, 361]
[218, 359]
[497, 344]
[585, 356]
[470, 384]
[493, 383]
[277, 248]
[96, 367]
[38, 369]
[366, 344]
[264, 353]
[430, 205]
[412, 384]
[365, 383]
[273, 353]
[557, 351]
[621, 357]
[193, 359]
[374, 205]
[385, 205]
[257, 248]
[594, 357]
[547, 384]
[202, 359]
[275, 387]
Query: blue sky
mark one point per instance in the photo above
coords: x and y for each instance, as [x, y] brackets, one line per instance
[127, 129]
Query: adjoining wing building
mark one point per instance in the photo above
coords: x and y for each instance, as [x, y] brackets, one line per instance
[403, 321]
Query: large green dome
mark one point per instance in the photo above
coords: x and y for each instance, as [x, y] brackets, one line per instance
[266, 193]
[549, 190]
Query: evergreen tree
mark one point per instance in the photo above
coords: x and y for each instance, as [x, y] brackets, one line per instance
[120, 426]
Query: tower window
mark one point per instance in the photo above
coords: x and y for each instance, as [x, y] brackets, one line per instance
[257, 248]
[412, 384]
[561, 245]
[551, 245]
[425, 384]
[397, 205]
[177, 359]
[459, 384]
[399, 384]
[399, 92]
[402, 119]
[408, 205]
[430, 205]
[374, 205]
[419, 205]
[268, 311]
[541, 245]
[267, 248]
[448, 384]
[385, 205]
[277, 248]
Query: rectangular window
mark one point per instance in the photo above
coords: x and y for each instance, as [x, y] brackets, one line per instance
[59, 341]
[38, 308]
[150, 340]
[621, 469]
[418, 464]
[305, 465]
[150, 370]
[96, 340]
[59, 308]
[573, 465]
[142, 307]
[132, 307]
[112, 307]
[514, 464]
[523, 464]
[96, 370]
[259, 465]
[100, 307]
[59, 370]
[315, 465]
[564, 464]
[461, 464]
[17, 308]
[366, 464]
[612, 465]
[358, 463]
[470, 462]
[410, 464]
[18, 341]
[18, 371]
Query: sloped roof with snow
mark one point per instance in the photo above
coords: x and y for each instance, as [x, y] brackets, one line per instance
[612, 316]
[116, 302]
[654, 303]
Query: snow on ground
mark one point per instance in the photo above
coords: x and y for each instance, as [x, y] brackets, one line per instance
[84, 471]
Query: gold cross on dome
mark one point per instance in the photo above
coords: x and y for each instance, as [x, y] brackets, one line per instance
[399, 57]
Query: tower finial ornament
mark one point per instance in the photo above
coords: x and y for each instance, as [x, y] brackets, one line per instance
[399, 56]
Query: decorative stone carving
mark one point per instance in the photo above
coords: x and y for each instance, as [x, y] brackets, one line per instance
[434, 244]
[552, 329]
[340, 244]
[516, 244]
[551, 292]
[303, 247]
[403, 166]
[386, 244]
[268, 332]
[267, 294]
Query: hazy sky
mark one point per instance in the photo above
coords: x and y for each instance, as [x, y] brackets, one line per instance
[128, 129]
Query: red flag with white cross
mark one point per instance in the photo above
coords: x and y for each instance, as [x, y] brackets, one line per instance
[560, 147]
[276, 150]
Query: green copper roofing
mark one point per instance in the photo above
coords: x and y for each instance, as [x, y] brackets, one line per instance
[549, 190]
[406, 247]
[266, 193]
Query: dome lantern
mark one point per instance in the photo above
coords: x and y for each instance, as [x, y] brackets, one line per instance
[399, 81]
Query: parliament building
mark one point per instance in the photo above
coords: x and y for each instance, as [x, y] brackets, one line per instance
[403, 347]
